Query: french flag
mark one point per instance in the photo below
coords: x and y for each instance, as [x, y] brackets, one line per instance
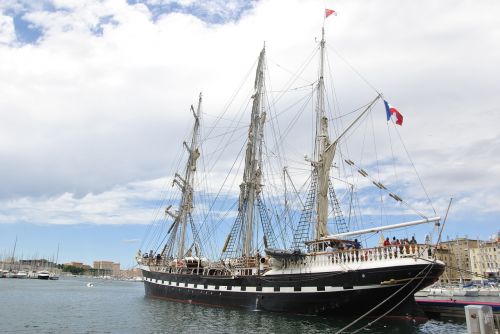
[393, 111]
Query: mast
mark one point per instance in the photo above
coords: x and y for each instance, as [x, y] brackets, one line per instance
[57, 254]
[323, 151]
[251, 185]
[13, 253]
[186, 182]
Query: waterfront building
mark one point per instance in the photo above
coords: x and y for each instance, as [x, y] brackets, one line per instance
[37, 263]
[456, 255]
[107, 268]
[485, 260]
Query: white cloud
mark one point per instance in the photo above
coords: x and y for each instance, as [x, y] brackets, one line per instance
[130, 204]
[85, 116]
[7, 31]
[131, 241]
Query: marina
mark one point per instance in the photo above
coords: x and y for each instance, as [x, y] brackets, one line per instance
[70, 306]
[37, 269]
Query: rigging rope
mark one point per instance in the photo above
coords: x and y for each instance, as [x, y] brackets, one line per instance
[428, 268]
[415, 169]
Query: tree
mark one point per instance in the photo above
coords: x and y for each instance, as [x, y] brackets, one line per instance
[72, 269]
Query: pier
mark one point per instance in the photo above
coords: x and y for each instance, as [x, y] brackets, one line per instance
[453, 307]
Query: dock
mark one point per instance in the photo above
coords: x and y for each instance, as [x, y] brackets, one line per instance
[453, 307]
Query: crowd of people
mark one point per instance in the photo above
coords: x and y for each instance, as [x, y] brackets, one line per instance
[149, 257]
[402, 244]
[331, 247]
[397, 242]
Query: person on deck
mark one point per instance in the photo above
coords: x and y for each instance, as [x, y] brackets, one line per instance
[329, 248]
[387, 244]
[357, 245]
[413, 243]
[394, 248]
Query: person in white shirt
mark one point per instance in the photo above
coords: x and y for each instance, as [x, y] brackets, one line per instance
[329, 248]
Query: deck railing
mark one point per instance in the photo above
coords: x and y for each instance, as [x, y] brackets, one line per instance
[344, 257]
[353, 256]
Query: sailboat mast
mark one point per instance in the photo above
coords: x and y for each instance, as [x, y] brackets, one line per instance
[250, 187]
[187, 182]
[13, 253]
[320, 103]
[323, 151]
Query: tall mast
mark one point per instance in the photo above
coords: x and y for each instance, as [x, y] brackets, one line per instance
[13, 254]
[323, 151]
[57, 254]
[186, 183]
[320, 103]
[251, 185]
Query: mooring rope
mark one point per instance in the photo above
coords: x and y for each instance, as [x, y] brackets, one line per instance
[430, 265]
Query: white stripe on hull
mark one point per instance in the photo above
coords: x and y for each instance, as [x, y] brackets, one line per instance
[253, 289]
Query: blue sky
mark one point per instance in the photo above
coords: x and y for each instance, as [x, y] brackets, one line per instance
[78, 242]
[94, 99]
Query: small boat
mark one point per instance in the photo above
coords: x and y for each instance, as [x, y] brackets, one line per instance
[21, 274]
[495, 291]
[471, 292]
[440, 291]
[32, 274]
[44, 274]
[90, 285]
[423, 293]
[53, 277]
[488, 291]
[455, 291]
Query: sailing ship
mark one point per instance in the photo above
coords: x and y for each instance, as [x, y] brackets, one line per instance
[318, 271]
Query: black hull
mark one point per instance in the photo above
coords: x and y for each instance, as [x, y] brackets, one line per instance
[350, 293]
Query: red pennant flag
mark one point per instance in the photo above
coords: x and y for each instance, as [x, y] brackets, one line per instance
[329, 12]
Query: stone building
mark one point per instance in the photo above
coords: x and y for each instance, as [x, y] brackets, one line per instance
[105, 268]
[485, 260]
[456, 255]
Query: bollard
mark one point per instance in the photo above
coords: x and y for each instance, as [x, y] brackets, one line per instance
[479, 319]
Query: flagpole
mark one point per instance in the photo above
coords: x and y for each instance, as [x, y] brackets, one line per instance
[324, 17]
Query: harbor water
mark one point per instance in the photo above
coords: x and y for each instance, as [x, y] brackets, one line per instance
[71, 305]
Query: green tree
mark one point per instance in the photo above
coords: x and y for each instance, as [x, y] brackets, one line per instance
[72, 269]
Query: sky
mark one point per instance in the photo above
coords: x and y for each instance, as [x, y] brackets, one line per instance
[94, 94]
